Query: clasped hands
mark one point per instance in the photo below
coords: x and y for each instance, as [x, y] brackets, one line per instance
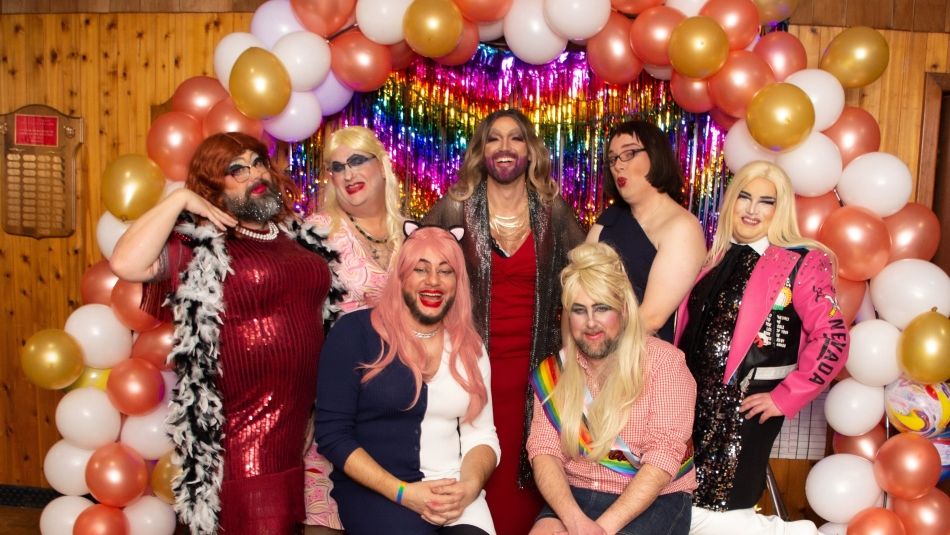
[440, 501]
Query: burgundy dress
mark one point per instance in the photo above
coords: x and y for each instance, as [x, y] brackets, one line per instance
[512, 312]
[271, 336]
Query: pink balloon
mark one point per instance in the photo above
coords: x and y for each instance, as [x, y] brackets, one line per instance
[691, 94]
[609, 52]
[915, 232]
[116, 474]
[633, 7]
[739, 18]
[859, 239]
[907, 466]
[855, 133]
[929, 515]
[784, 53]
[734, 85]
[225, 117]
[865, 445]
[360, 63]
[97, 283]
[101, 519]
[135, 386]
[812, 212]
[172, 140]
[197, 95]
[650, 34]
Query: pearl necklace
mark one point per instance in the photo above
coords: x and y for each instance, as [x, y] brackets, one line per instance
[270, 235]
[426, 336]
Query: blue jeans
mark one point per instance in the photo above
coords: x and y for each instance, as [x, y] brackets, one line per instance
[669, 514]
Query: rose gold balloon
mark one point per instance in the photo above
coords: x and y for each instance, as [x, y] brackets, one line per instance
[650, 34]
[155, 344]
[609, 52]
[691, 94]
[197, 95]
[483, 10]
[101, 519]
[172, 140]
[784, 53]
[162, 476]
[915, 232]
[907, 466]
[865, 445]
[360, 63]
[633, 7]
[97, 283]
[929, 515]
[739, 18]
[743, 75]
[855, 133]
[225, 117]
[116, 474]
[126, 300]
[404, 55]
[722, 119]
[860, 240]
[135, 386]
[876, 521]
[811, 212]
[464, 51]
[850, 294]
[323, 17]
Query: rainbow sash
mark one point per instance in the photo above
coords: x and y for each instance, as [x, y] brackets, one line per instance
[619, 459]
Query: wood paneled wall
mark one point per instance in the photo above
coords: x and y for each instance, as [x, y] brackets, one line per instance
[110, 68]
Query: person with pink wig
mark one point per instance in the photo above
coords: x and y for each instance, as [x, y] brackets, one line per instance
[403, 407]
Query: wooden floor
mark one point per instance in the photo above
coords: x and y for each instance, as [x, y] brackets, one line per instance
[19, 520]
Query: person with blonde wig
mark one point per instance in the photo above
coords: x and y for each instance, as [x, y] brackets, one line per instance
[403, 407]
[612, 413]
[763, 336]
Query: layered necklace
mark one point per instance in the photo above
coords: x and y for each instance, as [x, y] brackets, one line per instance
[269, 235]
[379, 248]
[509, 232]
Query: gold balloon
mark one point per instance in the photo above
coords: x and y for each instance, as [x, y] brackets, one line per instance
[163, 474]
[775, 10]
[131, 184]
[698, 47]
[91, 377]
[433, 28]
[780, 116]
[857, 56]
[924, 350]
[51, 359]
[259, 84]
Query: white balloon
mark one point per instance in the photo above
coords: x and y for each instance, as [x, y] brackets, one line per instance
[171, 382]
[306, 56]
[299, 120]
[813, 166]
[833, 528]
[146, 434]
[690, 8]
[381, 20]
[872, 356]
[87, 419]
[907, 288]
[576, 19]
[841, 486]
[528, 35]
[273, 20]
[740, 149]
[108, 231]
[332, 94]
[853, 409]
[489, 31]
[878, 181]
[65, 468]
[825, 93]
[866, 310]
[660, 72]
[59, 515]
[105, 342]
[171, 186]
[227, 51]
[149, 515]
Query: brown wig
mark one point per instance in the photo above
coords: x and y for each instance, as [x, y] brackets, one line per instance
[665, 174]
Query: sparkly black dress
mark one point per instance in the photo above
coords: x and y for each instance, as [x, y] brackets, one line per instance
[731, 451]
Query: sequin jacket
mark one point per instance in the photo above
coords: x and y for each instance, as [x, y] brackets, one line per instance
[556, 231]
[823, 349]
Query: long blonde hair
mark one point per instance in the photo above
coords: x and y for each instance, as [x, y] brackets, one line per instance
[596, 269]
[364, 140]
[783, 232]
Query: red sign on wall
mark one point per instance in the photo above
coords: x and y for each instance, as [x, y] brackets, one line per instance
[36, 130]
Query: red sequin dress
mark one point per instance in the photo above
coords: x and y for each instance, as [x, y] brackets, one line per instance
[512, 313]
[271, 336]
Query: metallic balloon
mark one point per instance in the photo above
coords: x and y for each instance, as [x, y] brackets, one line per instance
[51, 359]
[259, 84]
[924, 350]
[856, 56]
[780, 116]
[698, 47]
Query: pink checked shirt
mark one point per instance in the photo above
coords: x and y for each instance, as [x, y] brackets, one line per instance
[660, 424]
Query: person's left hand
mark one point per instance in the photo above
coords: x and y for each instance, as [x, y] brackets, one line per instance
[759, 404]
[456, 496]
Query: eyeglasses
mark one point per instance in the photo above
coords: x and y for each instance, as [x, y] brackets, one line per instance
[624, 156]
[242, 173]
[354, 161]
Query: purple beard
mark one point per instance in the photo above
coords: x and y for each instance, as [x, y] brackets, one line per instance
[506, 176]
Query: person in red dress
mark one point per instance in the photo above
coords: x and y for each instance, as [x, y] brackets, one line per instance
[249, 285]
[518, 231]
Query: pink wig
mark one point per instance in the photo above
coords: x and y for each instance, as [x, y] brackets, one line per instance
[391, 319]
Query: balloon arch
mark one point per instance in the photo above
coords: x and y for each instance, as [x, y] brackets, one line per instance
[726, 95]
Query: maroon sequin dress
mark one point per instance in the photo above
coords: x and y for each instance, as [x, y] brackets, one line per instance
[271, 337]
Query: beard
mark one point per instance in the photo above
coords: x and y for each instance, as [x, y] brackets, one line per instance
[422, 317]
[506, 176]
[599, 352]
[260, 209]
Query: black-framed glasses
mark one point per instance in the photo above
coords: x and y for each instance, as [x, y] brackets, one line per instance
[354, 161]
[624, 156]
[242, 173]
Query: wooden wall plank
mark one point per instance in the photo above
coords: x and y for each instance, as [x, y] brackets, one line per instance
[904, 14]
[873, 13]
[829, 14]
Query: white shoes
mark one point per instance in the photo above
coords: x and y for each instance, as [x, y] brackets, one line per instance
[745, 522]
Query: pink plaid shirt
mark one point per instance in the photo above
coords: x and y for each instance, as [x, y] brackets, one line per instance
[660, 424]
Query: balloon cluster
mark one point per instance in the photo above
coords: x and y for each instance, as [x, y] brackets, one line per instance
[112, 419]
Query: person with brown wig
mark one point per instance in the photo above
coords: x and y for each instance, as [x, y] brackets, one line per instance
[661, 242]
[518, 231]
[252, 292]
